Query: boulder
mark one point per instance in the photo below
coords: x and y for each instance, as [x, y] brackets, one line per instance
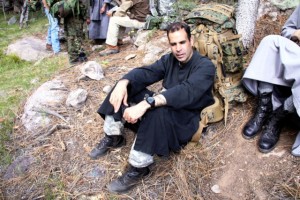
[29, 49]
[50, 94]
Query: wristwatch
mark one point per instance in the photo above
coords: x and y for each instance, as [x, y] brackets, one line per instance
[151, 101]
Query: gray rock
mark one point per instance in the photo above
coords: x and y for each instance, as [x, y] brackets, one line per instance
[165, 7]
[48, 94]
[92, 70]
[155, 49]
[98, 47]
[12, 20]
[3, 94]
[216, 189]
[285, 4]
[96, 172]
[19, 167]
[142, 37]
[29, 49]
[77, 98]
[107, 89]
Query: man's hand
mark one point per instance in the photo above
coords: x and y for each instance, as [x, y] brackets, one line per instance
[297, 34]
[88, 21]
[109, 13]
[119, 95]
[103, 8]
[132, 114]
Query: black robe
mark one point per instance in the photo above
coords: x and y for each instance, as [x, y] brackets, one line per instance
[189, 90]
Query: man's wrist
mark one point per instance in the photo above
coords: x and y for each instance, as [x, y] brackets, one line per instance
[147, 105]
[150, 100]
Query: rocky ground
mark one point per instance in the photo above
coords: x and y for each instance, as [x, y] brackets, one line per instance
[54, 164]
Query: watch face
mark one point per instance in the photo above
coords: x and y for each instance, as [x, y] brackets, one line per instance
[151, 101]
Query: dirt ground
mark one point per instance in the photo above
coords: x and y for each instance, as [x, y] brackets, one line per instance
[224, 159]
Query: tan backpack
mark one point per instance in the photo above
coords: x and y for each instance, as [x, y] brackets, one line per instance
[215, 36]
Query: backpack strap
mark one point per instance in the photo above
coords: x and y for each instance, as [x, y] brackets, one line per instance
[202, 124]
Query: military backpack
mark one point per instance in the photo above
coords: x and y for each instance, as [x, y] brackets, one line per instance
[64, 8]
[215, 36]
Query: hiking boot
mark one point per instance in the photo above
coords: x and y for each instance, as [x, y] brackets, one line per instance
[272, 129]
[48, 47]
[105, 144]
[109, 50]
[263, 110]
[80, 59]
[129, 179]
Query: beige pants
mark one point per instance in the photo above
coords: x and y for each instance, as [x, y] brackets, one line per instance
[117, 26]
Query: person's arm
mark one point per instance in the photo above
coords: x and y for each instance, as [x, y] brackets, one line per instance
[103, 8]
[292, 24]
[123, 8]
[45, 4]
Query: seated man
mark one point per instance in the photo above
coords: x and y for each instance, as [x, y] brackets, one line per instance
[274, 76]
[130, 14]
[164, 122]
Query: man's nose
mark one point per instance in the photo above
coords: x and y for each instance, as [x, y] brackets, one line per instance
[178, 47]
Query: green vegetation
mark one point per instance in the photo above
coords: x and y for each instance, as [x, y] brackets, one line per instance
[19, 77]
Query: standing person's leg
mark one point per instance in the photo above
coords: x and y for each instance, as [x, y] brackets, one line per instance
[48, 39]
[74, 34]
[54, 34]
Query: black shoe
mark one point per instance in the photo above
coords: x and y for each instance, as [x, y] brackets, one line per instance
[263, 110]
[271, 132]
[129, 179]
[80, 59]
[105, 144]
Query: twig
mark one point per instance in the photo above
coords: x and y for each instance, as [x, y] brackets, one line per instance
[52, 130]
[55, 128]
[61, 88]
[51, 112]
[62, 144]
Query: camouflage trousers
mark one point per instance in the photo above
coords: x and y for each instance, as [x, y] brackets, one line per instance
[74, 35]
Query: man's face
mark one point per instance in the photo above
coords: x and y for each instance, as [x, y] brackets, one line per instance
[181, 46]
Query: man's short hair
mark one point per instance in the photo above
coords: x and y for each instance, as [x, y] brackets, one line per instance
[176, 26]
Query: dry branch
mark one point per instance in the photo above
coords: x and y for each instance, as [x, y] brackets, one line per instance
[50, 112]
